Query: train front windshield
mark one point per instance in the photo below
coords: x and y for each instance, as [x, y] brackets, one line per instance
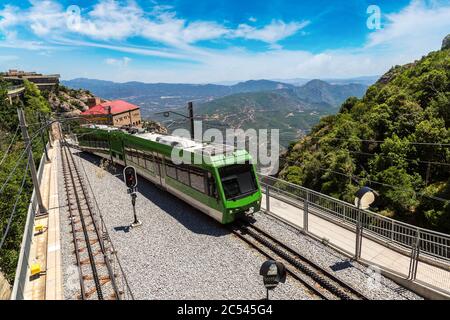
[238, 181]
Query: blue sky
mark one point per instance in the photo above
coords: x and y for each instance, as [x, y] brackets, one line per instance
[217, 40]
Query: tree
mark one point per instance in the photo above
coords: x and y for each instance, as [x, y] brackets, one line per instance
[32, 103]
[34, 100]
[401, 197]
[396, 137]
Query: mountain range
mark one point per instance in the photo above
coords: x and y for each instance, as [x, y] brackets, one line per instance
[168, 94]
[293, 110]
[258, 104]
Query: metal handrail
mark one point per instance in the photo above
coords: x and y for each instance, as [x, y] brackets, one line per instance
[18, 290]
[431, 242]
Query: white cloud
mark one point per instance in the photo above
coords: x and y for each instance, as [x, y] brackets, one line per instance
[274, 32]
[144, 51]
[109, 20]
[9, 17]
[417, 29]
[115, 20]
[123, 62]
[44, 17]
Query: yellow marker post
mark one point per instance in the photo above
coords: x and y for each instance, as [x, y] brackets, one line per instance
[35, 269]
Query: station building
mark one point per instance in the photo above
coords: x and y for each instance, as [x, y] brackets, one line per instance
[117, 113]
[43, 82]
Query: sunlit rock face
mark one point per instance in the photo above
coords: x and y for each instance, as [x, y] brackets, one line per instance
[446, 42]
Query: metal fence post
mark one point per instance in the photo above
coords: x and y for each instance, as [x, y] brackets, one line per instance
[267, 198]
[359, 231]
[29, 150]
[411, 263]
[392, 229]
[305, 212]
[416, 262]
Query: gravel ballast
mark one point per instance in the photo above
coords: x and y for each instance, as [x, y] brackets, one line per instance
[180, 253]
[177, 253]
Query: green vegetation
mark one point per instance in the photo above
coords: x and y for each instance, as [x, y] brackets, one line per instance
[402, 119]
[292, 110]
[33, 104]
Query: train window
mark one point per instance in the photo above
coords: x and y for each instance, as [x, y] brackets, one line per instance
[198, 181]
[238, 181]
[134, 156]
[171, 171]
[183, 175]
[127, 154]
[141, 160]
[149, 162]
[150, 165]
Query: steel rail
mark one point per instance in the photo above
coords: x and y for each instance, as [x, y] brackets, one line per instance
[100, 236]
[305, 260]
[72, 219]
[333, 285]
[108, 238]
[291, 271]
[95, 275]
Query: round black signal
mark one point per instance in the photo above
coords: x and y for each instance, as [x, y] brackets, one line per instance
[130, 176]
[273, 273]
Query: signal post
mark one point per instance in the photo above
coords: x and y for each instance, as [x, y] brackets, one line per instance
[130, 177]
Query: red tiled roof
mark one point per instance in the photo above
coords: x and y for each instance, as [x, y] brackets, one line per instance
[117, 106]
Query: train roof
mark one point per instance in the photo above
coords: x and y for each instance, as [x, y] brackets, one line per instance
[219, 154]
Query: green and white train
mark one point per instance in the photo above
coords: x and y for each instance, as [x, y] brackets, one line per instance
[224, 185]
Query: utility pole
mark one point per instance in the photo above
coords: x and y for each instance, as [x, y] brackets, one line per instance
[191, 118]
[43, 139]
[29, 150]
[49, 135]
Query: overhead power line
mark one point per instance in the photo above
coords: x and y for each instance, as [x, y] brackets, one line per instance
[446, 145]
[387, 156]
[10, 175]
[10, 145]
[13, 212]
[355, 177]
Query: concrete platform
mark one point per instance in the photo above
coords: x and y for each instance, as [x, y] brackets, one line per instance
[45, 248]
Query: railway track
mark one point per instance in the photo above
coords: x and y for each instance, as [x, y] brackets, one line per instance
[319, 281]
[92, 252]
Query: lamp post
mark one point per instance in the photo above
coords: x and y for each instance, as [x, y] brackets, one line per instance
[166, 114]
[363, 199]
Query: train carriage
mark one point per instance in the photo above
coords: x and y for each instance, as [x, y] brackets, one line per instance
[223, 184]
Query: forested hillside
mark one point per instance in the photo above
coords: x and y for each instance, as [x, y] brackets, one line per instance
[292, 110]
[13, 164]
[395, 139]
